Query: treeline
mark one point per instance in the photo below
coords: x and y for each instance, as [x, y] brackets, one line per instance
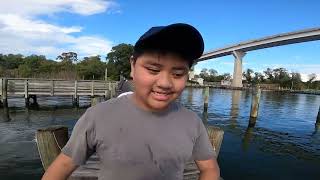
[279, 76]
[67, 65]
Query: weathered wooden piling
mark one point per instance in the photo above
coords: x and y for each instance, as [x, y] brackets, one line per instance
[75, 100]
[255, 103]
[4, 95]
[206, 99]
[26, 93]
[317, 124]
[215, 136]
[6, 114]
[96, 100]
[50, 141]
[318, 117]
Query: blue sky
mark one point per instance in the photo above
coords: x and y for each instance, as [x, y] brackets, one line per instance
[92, 27]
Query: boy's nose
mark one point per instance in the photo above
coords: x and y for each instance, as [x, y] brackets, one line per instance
[164, 81]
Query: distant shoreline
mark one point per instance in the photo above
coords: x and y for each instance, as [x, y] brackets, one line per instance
[313, 92]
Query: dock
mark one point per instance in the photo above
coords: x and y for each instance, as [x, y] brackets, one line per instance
[31, 88]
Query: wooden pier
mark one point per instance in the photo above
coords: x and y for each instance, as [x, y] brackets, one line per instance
[31, 88]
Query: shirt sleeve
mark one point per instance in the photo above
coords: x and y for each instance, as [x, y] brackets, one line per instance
[81, 144]
[202, 149]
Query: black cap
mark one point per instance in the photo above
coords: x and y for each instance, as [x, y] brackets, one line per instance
[180, 38]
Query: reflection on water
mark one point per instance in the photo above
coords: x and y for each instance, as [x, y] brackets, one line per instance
[283, 143]
[283, 136]
[234, 112]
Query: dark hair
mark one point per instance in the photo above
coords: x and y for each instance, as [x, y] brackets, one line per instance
[137, 54]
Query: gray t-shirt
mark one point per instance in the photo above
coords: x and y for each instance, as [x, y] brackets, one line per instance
[135, 144]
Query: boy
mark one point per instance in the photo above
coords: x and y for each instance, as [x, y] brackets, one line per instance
[145, 135]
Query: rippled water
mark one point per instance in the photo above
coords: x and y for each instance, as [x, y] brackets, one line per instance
[284, 144]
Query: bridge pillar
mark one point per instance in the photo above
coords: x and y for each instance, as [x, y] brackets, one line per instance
[237, 72]
[191, 71]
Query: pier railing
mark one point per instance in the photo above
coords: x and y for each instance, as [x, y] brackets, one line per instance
[55, 87]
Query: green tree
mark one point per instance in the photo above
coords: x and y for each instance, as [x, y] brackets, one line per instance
[269, 74]
[119, 61]
[258, 78]
[68, 56]
[91, 68]
[248, 75]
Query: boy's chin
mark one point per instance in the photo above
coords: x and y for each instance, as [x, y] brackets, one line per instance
[159, 106]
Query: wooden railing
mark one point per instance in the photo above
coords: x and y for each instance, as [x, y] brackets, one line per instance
[55, 87]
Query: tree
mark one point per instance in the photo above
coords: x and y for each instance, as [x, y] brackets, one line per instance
[248, 75]
[258, 78]
[68, 56]
[204, 73]
[91, 67]
[269, 74]
[296, 82]
[119, 61]
[213, 72]
[311, 78]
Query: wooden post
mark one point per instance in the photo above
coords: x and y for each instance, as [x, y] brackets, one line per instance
[255, 103]
[317, 125]
[26, 92]
[106, 92]
[318, 117]
[110, 89]
[52, 88]
[75, 99]
[1, 86]
[106, 75]
[96, 100]
[6, 114]
[50, 141]
[5, 93]
[92, 88]
[215, 136]
[206, 99]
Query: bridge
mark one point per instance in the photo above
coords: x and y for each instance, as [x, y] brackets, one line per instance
[239, 50]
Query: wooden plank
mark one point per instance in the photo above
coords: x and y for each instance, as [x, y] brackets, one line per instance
[49, 143]
[52, 88]
[26, 92]
[1, 86]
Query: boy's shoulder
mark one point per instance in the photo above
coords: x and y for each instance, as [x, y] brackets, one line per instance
[109, 105]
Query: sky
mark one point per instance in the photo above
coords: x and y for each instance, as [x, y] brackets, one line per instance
[93, 27]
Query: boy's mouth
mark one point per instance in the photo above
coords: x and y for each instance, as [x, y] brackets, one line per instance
[161, 96]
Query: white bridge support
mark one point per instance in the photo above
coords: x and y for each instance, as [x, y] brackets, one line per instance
[191, 71]
[237, 71]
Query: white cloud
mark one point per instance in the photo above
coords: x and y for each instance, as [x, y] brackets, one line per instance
[39, 7]
[22, 31]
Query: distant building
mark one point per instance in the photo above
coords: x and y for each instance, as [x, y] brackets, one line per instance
[225, 83]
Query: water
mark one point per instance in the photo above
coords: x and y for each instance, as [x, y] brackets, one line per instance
[284, 144]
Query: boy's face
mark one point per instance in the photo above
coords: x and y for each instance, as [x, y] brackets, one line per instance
[158, 80]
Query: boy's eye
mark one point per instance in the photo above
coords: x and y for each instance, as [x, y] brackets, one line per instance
[153, 70]
[178, 74]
